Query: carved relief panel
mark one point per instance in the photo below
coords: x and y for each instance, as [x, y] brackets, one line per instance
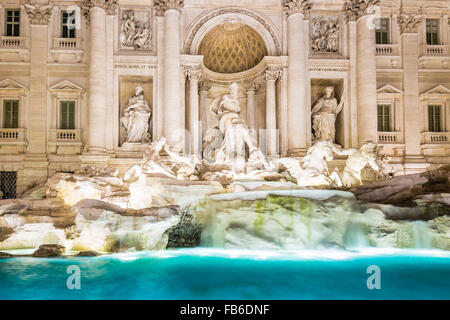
[135, 30]
[325, 34]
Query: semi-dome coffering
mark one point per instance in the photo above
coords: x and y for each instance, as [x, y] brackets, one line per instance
[232, 47]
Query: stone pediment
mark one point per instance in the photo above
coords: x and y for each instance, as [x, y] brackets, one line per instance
[67, 86]
[389, 89]
[12, 86]
[440, 89]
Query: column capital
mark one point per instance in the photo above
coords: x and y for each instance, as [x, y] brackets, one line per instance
[296, 6]
[162, 6]
[409, 23]
[194, 74]
[38, 14]
[108, 5]
[204, 86]
[273, 74]
[355, 9]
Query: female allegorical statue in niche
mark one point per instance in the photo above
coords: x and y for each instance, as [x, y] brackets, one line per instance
[324, 115]
[136, 118]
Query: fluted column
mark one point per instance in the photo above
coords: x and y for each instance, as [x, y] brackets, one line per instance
[173, 112]
[39, 17]
[271, 116]
[204, 88]
[194, 125]
[97, 74]
[366, 71]
[409, 25]
[297, 62]
[251, 112]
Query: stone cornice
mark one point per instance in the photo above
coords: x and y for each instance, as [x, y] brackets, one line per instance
[162, 6]
[296, 6]
[38, 14]
[409, 23]
[355, 9]
[108, 5]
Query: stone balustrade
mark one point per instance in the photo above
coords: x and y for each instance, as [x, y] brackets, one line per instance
[12, 42]
[387, 50]
[66, 43]
[390, 137]
[7, 135]
[436, 138]
[64, 135]
[436, 50]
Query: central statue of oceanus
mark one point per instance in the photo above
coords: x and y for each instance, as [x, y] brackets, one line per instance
[237, 149]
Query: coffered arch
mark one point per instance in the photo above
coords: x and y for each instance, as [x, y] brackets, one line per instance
[256, 21]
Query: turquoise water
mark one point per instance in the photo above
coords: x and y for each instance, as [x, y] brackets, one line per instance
[231, 274]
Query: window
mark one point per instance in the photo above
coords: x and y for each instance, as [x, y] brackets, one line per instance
[10, 114]
[384, 118]
[434, 118]
[8, 182]
[67, 112]
[12, 22]
[382, 31]
[432, 31]
[68, 24]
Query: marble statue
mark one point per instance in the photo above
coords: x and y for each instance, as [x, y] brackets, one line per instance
[174, 166]
[356, 161]
[237, 148]
[324, 115]
[325, 34]
[314, 171]
[136, 118]
[135, 33]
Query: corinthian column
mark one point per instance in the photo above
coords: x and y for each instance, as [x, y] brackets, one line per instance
[97, 73]
[271, 116]
[39, 17]
[409, 25]
[297, 62]
[35, 164]
[366, 71]
[173, 112]
[194, 124]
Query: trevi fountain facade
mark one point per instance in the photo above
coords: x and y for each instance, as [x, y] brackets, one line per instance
[286, 124]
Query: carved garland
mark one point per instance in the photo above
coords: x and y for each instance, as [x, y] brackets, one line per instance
[214, 14]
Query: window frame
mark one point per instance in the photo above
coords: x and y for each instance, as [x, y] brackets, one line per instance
[380, 31]
[390, 117]
[60, 120]
[429, 40]
[441, 127]
[3, 119]
[13, 23]
[65, 24]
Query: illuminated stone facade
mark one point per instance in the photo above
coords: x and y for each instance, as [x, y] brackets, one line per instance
[69, 71]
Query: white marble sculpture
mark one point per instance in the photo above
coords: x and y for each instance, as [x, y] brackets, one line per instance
[174, 166]
[136, 118]
[356, 161]
[324, 115]
[135, 33]
[325, 34]
[237, 149]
